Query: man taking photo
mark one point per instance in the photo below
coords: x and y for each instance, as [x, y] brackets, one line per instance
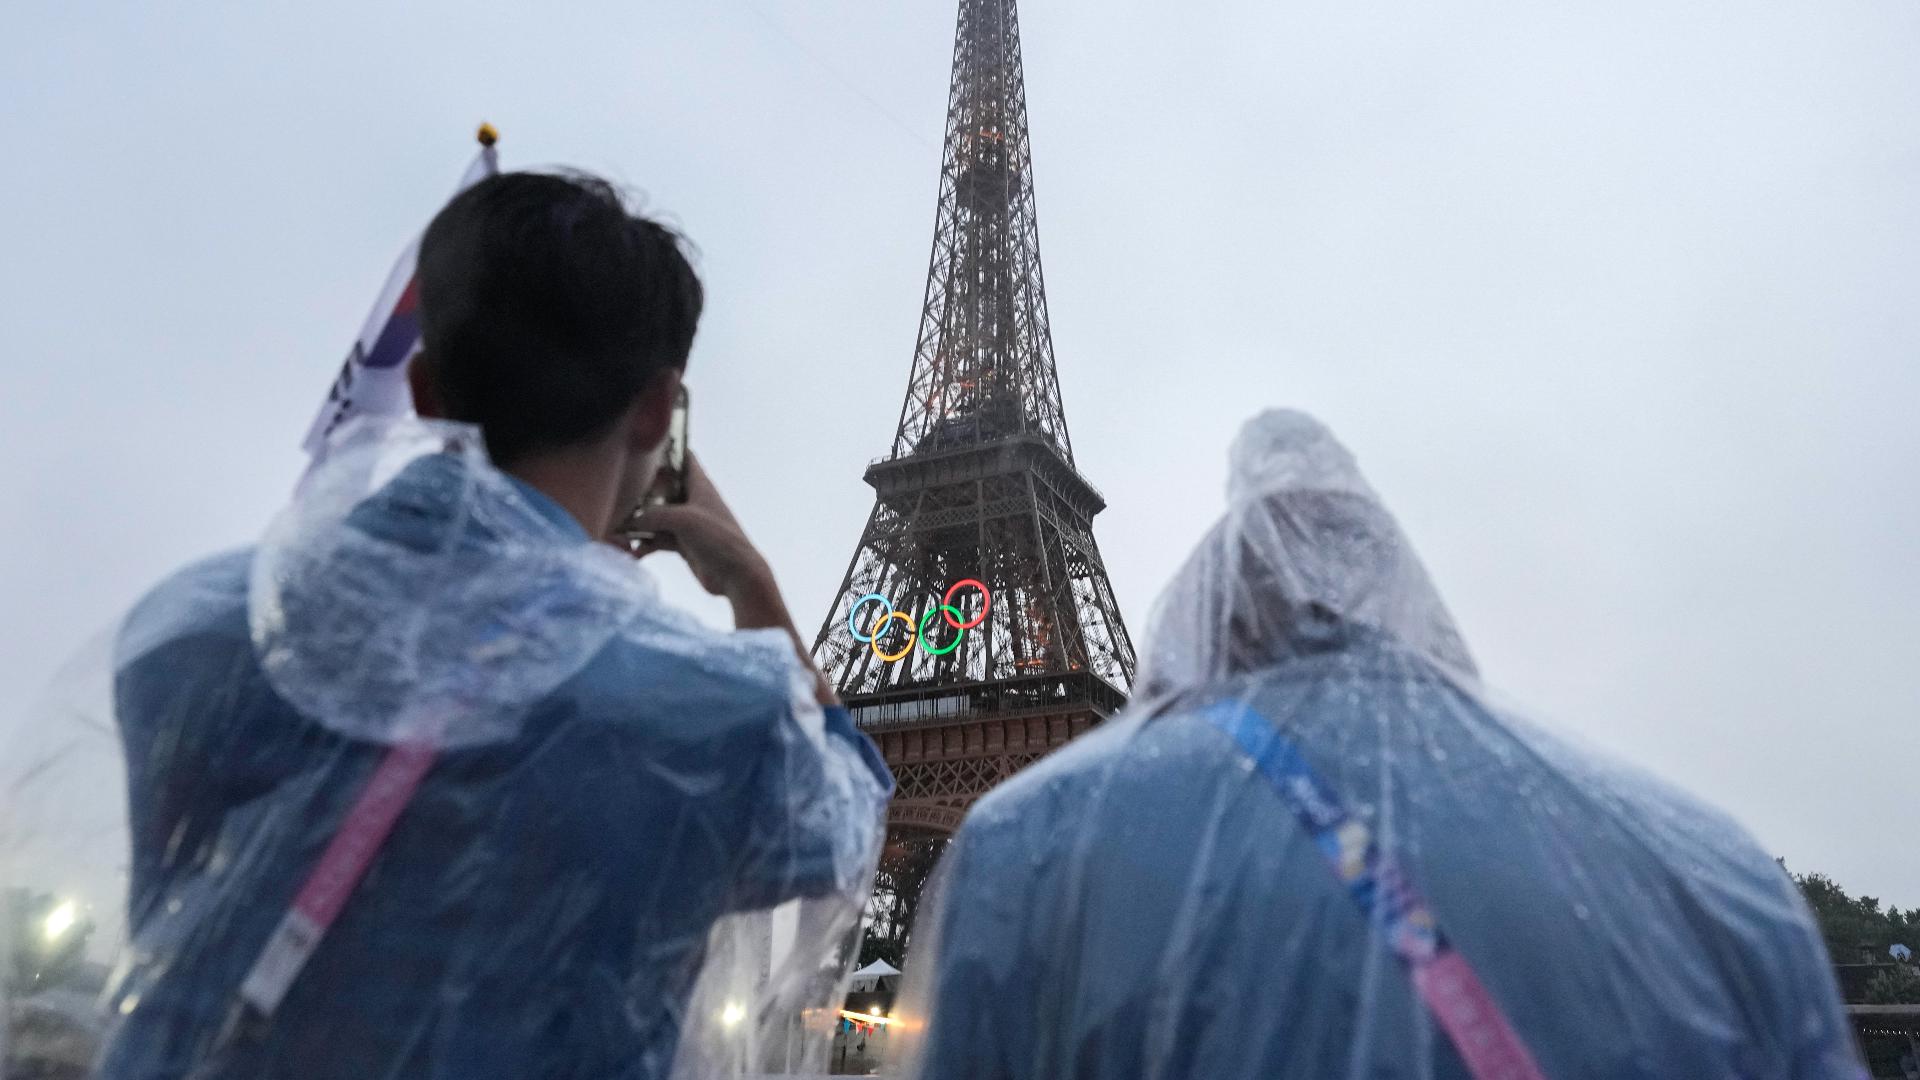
[430, 783]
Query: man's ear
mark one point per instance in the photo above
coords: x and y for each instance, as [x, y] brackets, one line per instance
[652, 412]
[426, 396]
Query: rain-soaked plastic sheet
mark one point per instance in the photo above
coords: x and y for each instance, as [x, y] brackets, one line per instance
[1316, 847]
[621, 844]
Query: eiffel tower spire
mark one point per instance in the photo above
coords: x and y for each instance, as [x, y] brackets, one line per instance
[981, 520]
[983, 363]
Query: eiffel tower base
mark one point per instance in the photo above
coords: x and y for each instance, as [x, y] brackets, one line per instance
[941, 768]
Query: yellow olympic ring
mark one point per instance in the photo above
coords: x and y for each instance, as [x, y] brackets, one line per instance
[881, 625]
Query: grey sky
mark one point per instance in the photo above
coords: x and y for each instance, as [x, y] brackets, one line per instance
[1615, 301]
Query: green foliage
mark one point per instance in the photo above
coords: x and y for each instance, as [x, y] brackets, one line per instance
[1848, 922]
[1897, 985]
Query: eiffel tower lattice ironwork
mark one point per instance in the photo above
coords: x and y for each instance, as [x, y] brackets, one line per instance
[980, 486]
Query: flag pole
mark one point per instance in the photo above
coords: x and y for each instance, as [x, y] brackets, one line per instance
[372, 379]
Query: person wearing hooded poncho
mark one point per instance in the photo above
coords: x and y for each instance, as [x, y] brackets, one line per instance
[1315, 847]
[640, 847]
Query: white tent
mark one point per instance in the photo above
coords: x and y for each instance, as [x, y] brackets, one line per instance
[868, 978]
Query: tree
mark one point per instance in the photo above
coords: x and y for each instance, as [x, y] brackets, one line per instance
[1897, 985]
[1849, 922]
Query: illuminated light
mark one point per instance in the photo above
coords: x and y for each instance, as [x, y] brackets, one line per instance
[885, 604]
[732, 1014]
[904, 649]
[986, 602]
[865, 1018]
[951, 645]
[60, 920]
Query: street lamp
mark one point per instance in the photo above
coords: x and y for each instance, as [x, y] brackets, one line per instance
[60, 920]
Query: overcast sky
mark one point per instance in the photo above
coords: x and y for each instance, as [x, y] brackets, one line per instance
[1618, 303]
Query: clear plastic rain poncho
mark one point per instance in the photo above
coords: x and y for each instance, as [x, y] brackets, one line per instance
[1314, 848]
[428, 785]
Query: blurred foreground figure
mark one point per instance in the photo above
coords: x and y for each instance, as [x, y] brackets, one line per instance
[622, 845]
[1314, 849]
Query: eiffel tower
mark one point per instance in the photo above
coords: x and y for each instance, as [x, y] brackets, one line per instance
[975, 629]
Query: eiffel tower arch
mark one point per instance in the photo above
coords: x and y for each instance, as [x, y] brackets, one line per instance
[976, 629]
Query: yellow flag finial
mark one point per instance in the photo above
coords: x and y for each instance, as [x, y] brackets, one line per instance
[487, 135]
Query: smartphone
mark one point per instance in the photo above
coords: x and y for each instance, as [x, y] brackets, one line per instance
[672, 487]
[676, 462]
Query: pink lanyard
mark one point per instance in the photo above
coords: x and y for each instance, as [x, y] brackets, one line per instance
[1461, 1004]
[339, 871]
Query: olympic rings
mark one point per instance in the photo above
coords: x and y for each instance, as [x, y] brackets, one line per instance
[947, 611]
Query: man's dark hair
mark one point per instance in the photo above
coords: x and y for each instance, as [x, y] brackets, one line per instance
[545, 307]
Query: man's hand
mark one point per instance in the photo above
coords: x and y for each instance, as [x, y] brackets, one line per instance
[704, 532]
[725, 563]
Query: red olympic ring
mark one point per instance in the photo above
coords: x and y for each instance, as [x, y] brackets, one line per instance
[986, 603]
